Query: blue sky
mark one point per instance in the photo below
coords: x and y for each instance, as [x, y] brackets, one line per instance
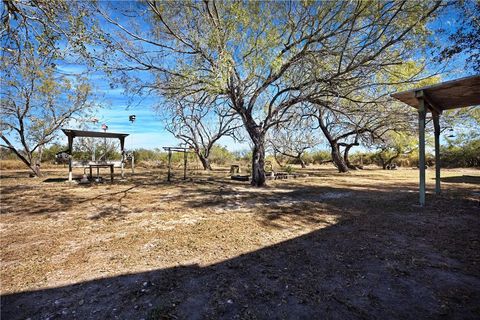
[115, 108]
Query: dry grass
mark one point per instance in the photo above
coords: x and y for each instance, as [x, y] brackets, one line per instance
[19, 165]
[57, 234]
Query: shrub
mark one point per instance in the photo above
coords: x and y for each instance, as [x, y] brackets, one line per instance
[321, 156]
[288, 169]
[220, 155]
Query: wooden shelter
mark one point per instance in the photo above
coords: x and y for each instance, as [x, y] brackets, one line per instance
[72, 134]
[460, 93]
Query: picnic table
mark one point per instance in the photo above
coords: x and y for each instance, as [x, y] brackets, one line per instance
[101, 165]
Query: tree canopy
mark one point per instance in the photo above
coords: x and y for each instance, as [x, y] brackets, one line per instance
[36, 99]
[263, 57]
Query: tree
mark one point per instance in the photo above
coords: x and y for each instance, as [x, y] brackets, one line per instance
[463, 33]
[362, 111]
[462, 151]
[348, 124]
[36, 100]
[200, 122]
[394, 145]
[264, 57]
[293, 139]
[41, 25]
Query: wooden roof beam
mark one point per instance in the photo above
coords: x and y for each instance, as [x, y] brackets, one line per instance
[430, 104]
[433, 106]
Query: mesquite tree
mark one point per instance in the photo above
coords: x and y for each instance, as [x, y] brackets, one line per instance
[361, 112]
[463, 34]
[35, 99]
[346, 124]
[394, 145]
[36, 102]
[293, 139]
[264, 57]
[200, 121]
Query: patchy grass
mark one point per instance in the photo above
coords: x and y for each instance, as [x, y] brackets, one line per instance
[342, 245]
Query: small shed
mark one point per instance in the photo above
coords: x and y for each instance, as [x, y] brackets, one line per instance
[459, 93]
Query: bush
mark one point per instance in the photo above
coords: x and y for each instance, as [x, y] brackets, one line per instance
[288, 169]
[243, 155]
[461, 155]
[220, 155]
[321, 156]
[49, 153]
[7, 154]
[142, 154]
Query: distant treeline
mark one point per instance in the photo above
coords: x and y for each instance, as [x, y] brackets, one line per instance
[452, 156]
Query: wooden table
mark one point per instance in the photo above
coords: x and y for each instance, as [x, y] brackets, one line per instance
[102, 165]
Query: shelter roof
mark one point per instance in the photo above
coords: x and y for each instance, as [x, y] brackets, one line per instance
[93, 134]
[459, 93]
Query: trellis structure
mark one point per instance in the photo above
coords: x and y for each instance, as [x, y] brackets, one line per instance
[177, 149]
[460, 93]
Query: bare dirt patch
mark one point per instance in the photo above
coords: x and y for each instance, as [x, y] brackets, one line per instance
[341, 246]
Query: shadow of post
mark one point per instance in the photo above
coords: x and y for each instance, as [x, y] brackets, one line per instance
[462, 179]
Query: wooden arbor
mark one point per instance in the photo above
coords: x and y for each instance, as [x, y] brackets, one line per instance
[72, 134]
[460, 93]
[177, 149]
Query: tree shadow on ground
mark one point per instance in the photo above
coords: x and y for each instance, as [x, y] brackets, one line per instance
[383, 264]
[309, 204]
[381, 257]
[34, 200]
[51, 198]
[462, 179]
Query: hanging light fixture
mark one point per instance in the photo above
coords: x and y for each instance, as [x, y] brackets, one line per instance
[451, 135]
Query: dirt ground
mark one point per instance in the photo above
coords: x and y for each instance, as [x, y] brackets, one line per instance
[333, 246]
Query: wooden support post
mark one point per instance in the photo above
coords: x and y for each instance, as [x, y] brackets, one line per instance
[70, 151]
[422, 112]
[436, 125]
[184, 165]
[169, 164]
[122, 151]
[70, 173]
[133, 163]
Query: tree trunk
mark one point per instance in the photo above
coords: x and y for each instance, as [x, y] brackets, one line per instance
[302, 162]
[205, 162]
[258, 163]
[382, 161]
[37, 162]
[389, 161]
[386, 162]
[32, 166]
[35, 170]
[337, 158]
[257, 135]
[275, 156]
[345, 157]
